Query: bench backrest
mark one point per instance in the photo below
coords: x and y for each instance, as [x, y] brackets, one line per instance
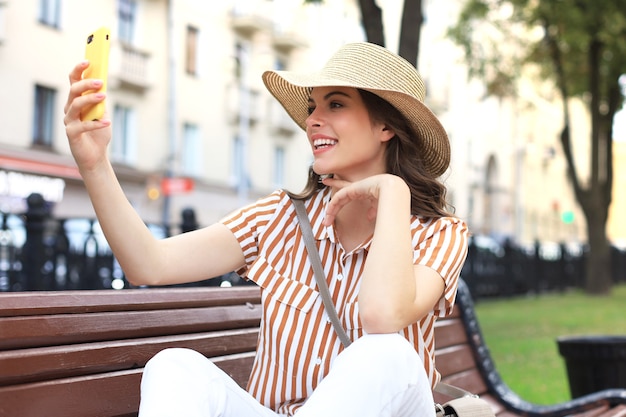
[81, 353]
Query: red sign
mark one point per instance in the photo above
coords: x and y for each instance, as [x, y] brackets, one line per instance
[176, 185]
[39, 167]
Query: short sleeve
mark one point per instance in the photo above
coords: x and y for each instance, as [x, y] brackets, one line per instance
[248, 223]
[441, 244]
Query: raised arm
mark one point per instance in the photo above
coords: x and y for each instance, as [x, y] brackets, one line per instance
[192, 256]
[394, 292]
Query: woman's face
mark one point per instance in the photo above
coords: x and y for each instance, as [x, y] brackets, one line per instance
[345, 140]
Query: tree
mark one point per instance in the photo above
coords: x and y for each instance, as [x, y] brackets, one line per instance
[410, 29]
[581, 47]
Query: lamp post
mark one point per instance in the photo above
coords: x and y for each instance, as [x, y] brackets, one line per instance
[244, 121]
[171, 113]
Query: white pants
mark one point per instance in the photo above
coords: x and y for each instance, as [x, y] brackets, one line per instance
[377, 376]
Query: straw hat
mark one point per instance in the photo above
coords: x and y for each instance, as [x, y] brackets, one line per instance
[373, 68]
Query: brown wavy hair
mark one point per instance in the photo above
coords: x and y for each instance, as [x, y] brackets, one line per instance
[428, 194]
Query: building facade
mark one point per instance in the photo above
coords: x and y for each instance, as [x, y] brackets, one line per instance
[195, 127]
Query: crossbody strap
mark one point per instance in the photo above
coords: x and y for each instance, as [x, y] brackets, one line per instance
[316, 263]
[453, 391]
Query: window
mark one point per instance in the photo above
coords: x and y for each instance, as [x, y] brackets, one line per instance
[122, 146]
[49, 12]
[191, 59]
[191, 158]
[279, 64]
[127, 10]
[279, 166]
[3, 23]
[43, 123]
[241, 61]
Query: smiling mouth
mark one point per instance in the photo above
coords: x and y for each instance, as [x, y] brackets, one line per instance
[323, 143]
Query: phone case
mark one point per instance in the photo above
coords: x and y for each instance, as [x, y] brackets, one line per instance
[97, 53]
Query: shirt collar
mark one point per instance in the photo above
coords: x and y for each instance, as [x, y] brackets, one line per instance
[321, 232]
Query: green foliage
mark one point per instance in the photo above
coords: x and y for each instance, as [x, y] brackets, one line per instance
[521, 335]
[501, 36]
[578, 45]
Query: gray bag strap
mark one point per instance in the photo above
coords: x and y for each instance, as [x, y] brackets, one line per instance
[453, 391]
[465, 403]
[316, 263]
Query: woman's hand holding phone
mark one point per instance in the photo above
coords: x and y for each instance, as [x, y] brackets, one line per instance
[86, 124]
[97, 54]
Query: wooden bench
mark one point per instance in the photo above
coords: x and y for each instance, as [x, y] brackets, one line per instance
[81, 353]
[464, 360]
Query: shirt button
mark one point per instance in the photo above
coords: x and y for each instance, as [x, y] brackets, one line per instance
[339, 277]
[318, 361]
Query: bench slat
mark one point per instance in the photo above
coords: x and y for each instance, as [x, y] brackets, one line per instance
[454, 359]
[71, 302]
[471, 380]
[449, 332]
[619, 411]
[39, 364]
[84, 397]
[75, 397]
[59, 329]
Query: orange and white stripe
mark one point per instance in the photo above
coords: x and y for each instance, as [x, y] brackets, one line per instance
[297, 343]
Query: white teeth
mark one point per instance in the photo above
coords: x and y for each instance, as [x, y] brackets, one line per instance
[323, 142]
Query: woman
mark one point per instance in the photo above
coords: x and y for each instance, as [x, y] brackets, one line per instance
[391, 252]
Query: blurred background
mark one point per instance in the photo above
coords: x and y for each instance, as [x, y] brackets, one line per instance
[196, 134]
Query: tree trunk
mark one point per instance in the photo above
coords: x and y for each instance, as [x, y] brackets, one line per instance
[410, 29]
[596, 199]
[598, 277]
[372, 20]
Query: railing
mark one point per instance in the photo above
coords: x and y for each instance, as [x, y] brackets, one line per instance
[38, 252]
[130, 66]
[510, 269]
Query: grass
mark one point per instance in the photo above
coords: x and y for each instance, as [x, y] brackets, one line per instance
[521, 335]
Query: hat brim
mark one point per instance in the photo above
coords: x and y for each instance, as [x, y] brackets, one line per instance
[292, 90]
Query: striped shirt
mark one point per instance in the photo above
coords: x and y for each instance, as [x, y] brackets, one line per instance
[297, 342]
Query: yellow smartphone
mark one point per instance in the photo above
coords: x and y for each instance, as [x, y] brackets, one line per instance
[97, 53]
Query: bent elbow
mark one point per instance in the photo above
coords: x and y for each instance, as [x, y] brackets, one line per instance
[142, 277]
[136, 280]
[380, 320]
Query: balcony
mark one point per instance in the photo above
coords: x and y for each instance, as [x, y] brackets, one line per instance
[280, 123]
[130, 67]
[250, 17]
[286, 42]
[3, 23]
[285, 39]
[235, 110]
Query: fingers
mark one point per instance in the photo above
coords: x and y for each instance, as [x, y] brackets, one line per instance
[334, 182]
[346, 192]
[77, 72]
[74, 77]
[77, 100]
[75, 128]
